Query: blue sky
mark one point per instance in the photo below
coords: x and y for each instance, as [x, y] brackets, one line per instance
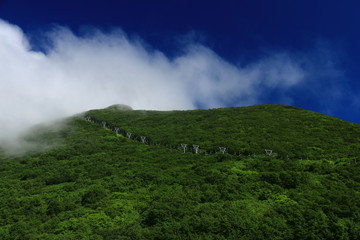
[304, 53]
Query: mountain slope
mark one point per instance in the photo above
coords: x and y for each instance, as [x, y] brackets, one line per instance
[286, 130]
[99, 185]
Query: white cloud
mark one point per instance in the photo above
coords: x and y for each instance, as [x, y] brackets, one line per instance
[81, 73]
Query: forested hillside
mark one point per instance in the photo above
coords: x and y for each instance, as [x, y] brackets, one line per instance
[288, 131]
[96, 184]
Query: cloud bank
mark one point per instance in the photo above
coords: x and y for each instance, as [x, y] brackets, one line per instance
[97, 70]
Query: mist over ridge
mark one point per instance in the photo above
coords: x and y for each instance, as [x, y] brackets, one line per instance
[100, 69]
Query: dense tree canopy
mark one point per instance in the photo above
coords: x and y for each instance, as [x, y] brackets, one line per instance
[96, 184]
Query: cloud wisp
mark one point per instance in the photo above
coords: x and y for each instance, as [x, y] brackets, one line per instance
[80, 73]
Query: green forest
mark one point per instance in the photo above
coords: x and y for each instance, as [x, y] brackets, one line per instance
[97, 184]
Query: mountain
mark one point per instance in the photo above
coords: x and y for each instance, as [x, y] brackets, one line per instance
[288, 131]
[140, 184]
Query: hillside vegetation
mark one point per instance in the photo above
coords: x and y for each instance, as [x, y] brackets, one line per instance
[288, 131]
[100, 185]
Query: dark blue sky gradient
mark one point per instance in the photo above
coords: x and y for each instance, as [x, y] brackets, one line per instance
[239, 31]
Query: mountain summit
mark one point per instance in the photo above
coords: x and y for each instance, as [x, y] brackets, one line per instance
[119, 107]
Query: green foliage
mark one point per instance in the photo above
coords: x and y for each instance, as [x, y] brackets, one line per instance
[97, 185]
[287, 130]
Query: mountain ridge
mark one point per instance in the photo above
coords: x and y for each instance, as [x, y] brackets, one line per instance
[272, 125]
